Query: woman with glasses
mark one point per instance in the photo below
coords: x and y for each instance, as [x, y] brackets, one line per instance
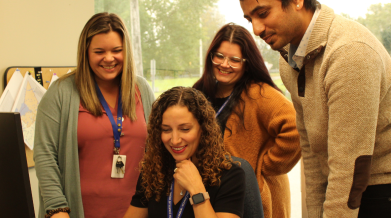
[256, 120]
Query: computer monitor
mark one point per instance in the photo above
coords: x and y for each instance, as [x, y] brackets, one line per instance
[15, 191]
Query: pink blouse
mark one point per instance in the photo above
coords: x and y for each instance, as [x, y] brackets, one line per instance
[102, 195]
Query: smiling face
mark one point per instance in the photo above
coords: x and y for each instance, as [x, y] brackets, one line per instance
[105, 55]
[275, 25]
[181, 132]
[224, 73]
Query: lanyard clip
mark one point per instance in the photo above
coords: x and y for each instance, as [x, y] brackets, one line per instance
[116, 150]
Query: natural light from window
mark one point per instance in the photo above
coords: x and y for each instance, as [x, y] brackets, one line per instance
[175, 35]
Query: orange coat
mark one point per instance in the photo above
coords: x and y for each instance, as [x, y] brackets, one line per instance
[269, 142]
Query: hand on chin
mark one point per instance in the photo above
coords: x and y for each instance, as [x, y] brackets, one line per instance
[188, 176]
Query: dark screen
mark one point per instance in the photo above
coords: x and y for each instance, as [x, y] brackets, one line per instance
[15, 191]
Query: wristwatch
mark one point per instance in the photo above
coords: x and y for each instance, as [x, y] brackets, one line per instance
[199, 198]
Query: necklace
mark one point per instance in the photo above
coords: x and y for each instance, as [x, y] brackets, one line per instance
[180, 187]
[170, 203]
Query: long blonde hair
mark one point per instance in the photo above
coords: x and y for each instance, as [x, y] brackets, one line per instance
[84, 76]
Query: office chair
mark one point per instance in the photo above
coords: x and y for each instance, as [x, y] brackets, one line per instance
[252, 200]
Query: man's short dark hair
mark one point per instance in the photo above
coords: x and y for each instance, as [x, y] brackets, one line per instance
[308, 4]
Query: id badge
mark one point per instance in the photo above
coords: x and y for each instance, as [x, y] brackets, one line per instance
[118, 167]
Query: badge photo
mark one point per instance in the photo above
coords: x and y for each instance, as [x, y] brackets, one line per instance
[118, 167]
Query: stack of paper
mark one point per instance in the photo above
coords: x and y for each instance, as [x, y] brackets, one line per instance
[11, 91]
[29, 94]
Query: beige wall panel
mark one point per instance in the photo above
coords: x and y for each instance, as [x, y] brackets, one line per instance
[40, 33]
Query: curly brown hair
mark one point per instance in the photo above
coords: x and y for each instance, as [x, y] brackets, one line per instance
[158, 164]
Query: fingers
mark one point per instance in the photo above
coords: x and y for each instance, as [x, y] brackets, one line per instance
[188, 176]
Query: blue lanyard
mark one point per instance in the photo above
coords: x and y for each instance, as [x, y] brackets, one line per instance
[169, 203]
[117, 128]
[223, 106]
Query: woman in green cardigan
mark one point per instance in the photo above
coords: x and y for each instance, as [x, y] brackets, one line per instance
[88, 122]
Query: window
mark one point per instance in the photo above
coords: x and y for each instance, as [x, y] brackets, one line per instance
[175, 35]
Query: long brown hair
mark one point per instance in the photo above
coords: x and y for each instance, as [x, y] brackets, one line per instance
[255, 70]
[158, 164]
[84, 76]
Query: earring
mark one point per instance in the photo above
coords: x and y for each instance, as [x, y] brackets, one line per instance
[298, 6]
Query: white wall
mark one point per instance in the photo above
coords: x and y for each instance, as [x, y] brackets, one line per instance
[40, 33]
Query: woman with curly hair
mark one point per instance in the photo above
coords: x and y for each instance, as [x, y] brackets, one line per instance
[186, 159]
[257, 121]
